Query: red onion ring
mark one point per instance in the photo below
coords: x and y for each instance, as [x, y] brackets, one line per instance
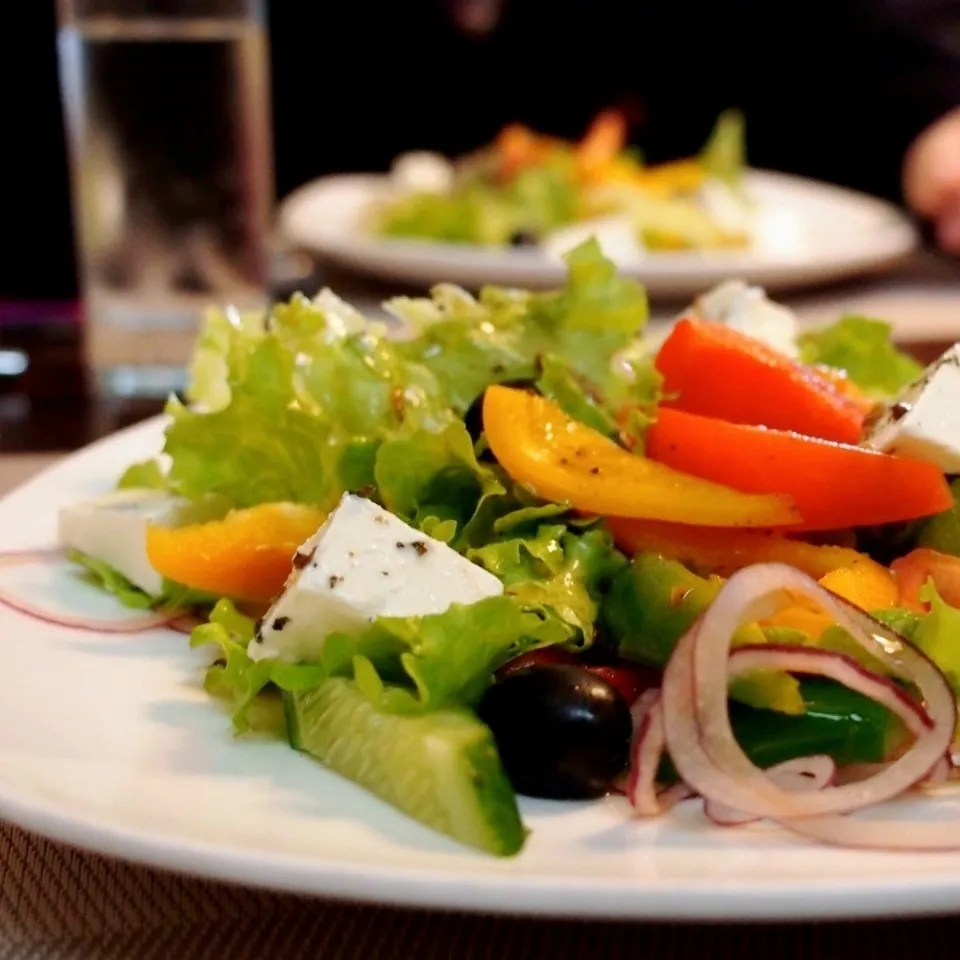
[800, 774]
[137, 624]
[697, 725]
[645, 753]
[185, 623]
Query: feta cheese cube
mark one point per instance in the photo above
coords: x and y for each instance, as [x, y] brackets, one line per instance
[616, 235]
[422, 171]
[923, 421]
[113, 528]
[749, 310]
[364, 563]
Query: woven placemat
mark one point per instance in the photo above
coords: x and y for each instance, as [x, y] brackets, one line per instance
[57, 903]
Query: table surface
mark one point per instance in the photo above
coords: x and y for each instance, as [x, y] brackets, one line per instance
[58, 902]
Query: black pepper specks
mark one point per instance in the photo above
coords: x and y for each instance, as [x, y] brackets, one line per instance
[898, 411]
[258, 632]
[300, 560]
[335, 580]
[280, 623]
[384, 573]
[595, 470]
[419, 546]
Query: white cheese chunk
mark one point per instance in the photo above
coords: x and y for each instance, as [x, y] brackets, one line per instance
[726, 207]
[113, 529]
[616, 234]
[923, 421]
[749, 310]
[364, 563]
[422, 171]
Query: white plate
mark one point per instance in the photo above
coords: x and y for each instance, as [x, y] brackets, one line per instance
[810, 233]
[108, 742]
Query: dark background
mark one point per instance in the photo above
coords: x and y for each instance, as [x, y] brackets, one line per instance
[834, 89]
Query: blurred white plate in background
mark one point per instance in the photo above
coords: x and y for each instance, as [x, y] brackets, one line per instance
[807, 233]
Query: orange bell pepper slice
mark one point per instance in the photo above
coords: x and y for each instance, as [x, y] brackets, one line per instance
[715, 550]
[921, 565]
[714, 370]
[706, 550]
[247, 555]
[863, 582]
[563, 460]
[519, 148]
[834, 486]
[601, 145]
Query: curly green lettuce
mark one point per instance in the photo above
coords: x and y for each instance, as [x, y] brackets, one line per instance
[863, 348]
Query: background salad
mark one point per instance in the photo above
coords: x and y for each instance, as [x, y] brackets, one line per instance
[525, 187]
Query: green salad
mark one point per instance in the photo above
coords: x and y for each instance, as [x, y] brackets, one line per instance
[495, 556]
[525, 189]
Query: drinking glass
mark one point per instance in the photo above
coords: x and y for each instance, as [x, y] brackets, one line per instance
[167, 111]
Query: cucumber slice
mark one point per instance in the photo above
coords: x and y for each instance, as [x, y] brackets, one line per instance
[441, 768]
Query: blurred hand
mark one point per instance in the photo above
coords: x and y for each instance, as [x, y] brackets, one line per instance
[931, 178]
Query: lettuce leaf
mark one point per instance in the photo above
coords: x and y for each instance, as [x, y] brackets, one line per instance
[173, 595]
[937, 634]
[241, 681]
[296, 411]
[724, 156]
[148, 474]
[556, 572]
[427, 662]
[446, 658]
[435, 483]
[295, 405]
[863, 348]
[108, 579]
[559, 382]
[469, 343]
[482, 211]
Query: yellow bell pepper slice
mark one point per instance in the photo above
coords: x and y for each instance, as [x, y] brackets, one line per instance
[863, 582]
[667, 179]
[564, 461]
[247, 555]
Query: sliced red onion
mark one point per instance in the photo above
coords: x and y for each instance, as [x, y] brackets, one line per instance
[798, 775]
[38, 555]
[697, 723]
[138, 624]
[185, 623]
[939, 774]
[645, 754]
[670, 796]
[894, 835]
[131, 624]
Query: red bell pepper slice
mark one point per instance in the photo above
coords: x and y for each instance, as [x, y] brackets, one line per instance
[713, 370]
[835, 486]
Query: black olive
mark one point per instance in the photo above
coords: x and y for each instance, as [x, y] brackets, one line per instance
[562, 733]
[524, 238]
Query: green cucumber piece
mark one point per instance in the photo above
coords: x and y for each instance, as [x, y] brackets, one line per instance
[441, 768]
